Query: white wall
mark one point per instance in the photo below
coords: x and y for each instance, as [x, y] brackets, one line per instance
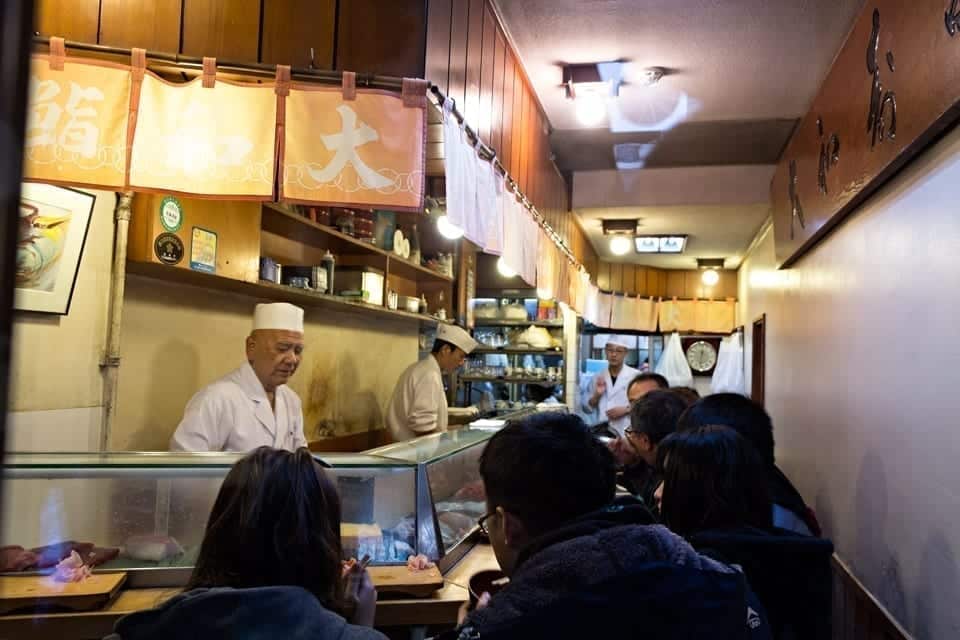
[862, 361]
[56, 393]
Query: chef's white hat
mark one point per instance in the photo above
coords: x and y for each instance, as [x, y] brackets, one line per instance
[278, 315]
[618, 341]
[456, 336]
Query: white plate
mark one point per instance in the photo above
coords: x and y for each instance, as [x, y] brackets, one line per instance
[406, 249]
[398, 242]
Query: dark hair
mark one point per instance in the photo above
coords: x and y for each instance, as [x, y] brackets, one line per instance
[547, 469]
[689, 394]
[737, 412]
[661, 382]
[276, 521]
[439, 344]
[712, 479]
[656, 414]
[539, 392]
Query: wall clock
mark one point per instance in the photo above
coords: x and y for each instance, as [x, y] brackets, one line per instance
[701, 354]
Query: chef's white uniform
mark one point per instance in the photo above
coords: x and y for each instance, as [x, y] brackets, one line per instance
[234, 414]
[615, 395]
[419, 404]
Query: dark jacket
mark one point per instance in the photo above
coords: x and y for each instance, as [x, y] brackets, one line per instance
[290, 613]
[611, 575]
[642, 481]
[791, 575]
[795, 515]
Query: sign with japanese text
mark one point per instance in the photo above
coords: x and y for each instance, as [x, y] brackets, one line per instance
[210, 141]
[894, 86]
[364, 152]
[77, 124]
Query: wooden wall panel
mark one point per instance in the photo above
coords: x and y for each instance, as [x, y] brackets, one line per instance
[68, 19]
[517, 140]
[640, 281]
[471, 110]
[487, 64]
[499, 70]
[675, 284]
[629, 282]
[293, 27]
[506, 145]
[616, 276]
[153, 25]
[603, 276]
[459, 27]
[439, 24]
[228, 29]
[524, 126]
[388, 38]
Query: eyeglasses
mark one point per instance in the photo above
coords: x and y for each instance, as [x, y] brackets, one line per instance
[482, 522]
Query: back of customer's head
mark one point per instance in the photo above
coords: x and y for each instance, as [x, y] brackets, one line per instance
[689, 394]
[738, 412]
[656, 414]
[276, 521]
[547, 469]
[712, 479]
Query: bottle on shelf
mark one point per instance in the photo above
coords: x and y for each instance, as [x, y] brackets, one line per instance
[328, 262]
[415, 246]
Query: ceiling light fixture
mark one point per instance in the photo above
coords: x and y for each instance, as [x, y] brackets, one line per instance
[447, 229]
[591, 108]
[504, 269]
[710, 277]
[620, 245]
[660, 244]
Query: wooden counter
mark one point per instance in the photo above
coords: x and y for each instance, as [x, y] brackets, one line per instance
[439, 609]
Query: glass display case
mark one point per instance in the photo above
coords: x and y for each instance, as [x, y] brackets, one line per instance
[145, 513]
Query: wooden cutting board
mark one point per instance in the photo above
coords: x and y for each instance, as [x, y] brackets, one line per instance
[399, 579]
[28, 592]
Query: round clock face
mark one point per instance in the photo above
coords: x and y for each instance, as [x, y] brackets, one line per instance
[701, 356]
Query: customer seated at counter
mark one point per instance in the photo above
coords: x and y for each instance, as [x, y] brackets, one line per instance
[652, 418]
[582, 565]
[715, 495]
[752, 422]
[270, 565]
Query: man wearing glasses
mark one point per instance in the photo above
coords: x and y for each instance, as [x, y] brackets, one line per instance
[608, 391]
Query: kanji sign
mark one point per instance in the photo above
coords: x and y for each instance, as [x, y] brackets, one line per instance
[77, 124]
[364, 152]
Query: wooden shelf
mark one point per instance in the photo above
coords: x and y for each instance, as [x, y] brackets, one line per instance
[268, 291]
[524, 351]
[281, 221]
[509, 380]
[493, 322]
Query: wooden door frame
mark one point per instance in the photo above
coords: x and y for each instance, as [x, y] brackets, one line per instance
[17, 18]
[758, 378]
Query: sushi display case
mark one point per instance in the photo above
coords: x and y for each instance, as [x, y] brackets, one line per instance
[145, 513]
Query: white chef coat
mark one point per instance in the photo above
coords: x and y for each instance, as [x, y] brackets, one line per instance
[234, 414]
[419, 404]
[615, 395]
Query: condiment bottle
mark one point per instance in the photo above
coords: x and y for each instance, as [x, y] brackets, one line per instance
[328, 262]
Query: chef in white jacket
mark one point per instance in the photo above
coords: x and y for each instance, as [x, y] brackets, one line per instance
[608, 391]
[419, 404]
[252, 406]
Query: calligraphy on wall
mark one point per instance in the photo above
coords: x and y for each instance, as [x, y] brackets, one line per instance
[894, 86]
[77, 123]
[361, 150]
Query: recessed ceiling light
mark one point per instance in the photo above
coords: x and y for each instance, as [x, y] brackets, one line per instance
[619, 245]
[710, 277]
[672, 244]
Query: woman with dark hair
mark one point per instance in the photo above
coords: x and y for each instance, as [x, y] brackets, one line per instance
[270, 564]
[715, 494]
[751, 421]
[712, 479]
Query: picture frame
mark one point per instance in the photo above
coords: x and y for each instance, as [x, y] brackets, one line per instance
[54, 222]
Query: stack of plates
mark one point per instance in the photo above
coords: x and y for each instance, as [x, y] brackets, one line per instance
[401, 245]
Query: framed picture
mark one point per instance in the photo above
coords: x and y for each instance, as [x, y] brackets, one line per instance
[53, 230]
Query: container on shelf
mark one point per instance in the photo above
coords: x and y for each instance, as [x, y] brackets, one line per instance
[345, 221]
[366, 279]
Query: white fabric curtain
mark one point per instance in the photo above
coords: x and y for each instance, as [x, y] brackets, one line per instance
[673, 363]
[728, 375]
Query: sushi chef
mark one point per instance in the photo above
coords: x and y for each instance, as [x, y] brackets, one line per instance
[419, 404]
[608, 390]
[252, 406]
